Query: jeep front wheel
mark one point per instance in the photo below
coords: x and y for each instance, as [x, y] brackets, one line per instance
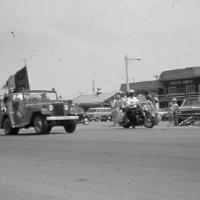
[8, 130]
[40, 125]
[49, 129]
[70, 126]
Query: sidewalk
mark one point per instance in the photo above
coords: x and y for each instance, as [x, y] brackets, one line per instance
[165, 124]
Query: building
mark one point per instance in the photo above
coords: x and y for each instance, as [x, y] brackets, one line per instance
[179, 83]
[94, 100]
[152, 87]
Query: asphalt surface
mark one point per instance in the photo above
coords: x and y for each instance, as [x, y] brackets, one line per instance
[100, 162]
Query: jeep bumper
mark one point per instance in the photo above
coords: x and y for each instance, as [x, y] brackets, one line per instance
[61, 118]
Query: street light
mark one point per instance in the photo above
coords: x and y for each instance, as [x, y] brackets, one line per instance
[126, 59]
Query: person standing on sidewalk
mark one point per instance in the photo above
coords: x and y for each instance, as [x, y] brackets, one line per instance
[175, 109]
[8, 105]
[170, 113]
[115, 105]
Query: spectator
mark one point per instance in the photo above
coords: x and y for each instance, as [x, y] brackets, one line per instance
[123, 101]
[115, 104]
[123, 107]
[153, 106]
[8, 106]
[150, 101]
[170, 113]
[175, 109]
[148, 96]
[156, 101]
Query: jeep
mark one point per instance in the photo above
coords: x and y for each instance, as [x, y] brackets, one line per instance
[40, 109]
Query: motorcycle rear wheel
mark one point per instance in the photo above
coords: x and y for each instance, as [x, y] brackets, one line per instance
[149, 122]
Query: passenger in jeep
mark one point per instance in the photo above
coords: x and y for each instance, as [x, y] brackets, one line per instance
[8, 105]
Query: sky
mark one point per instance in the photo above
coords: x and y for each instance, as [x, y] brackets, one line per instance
[66, 44]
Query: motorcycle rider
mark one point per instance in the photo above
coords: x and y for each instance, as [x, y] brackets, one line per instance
[132, 102]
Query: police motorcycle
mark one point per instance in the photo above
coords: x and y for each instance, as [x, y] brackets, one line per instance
[137, 115]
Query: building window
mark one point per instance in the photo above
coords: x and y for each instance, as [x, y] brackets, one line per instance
[190, 88]
[172, 90]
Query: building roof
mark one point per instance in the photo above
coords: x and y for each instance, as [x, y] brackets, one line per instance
[93, 99]
[176, 74]
[144, 85]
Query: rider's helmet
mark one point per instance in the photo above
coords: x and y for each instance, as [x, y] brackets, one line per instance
[174, 100]
[132, 91]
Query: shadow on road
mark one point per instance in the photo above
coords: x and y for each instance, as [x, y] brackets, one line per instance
[35, 134]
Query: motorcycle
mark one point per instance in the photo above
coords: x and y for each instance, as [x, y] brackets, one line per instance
[137, 116]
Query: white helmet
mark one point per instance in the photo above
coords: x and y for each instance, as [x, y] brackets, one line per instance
[174, 100]
[132, 91]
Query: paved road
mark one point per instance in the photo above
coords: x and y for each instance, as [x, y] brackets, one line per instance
[99, 162]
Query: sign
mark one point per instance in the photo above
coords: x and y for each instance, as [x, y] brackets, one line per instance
[184, 82]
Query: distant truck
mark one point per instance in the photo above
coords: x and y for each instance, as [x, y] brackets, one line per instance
[40, 109]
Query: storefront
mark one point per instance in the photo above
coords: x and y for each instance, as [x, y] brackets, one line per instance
[152, 87]
[179, 83]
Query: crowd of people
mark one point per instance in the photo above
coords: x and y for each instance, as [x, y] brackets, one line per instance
[123, 100]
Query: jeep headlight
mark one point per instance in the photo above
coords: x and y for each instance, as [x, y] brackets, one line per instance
[50, 107]
[66, 107]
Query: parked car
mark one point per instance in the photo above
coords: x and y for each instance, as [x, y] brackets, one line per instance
[99, 114]
[190, 107]
[82, 115]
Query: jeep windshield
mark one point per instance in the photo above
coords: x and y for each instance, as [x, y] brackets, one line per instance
[40, 96]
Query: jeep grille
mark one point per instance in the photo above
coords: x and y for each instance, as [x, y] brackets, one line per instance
[58, 110]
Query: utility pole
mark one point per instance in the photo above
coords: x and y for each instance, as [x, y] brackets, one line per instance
[93, 87]
[126, 71]
[127, 59]
[156, 77]
[24, 60]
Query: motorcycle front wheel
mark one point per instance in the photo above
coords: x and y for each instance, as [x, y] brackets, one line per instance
[126, 125]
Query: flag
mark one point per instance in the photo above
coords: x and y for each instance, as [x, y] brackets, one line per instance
[18, 81]
[21, 80]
